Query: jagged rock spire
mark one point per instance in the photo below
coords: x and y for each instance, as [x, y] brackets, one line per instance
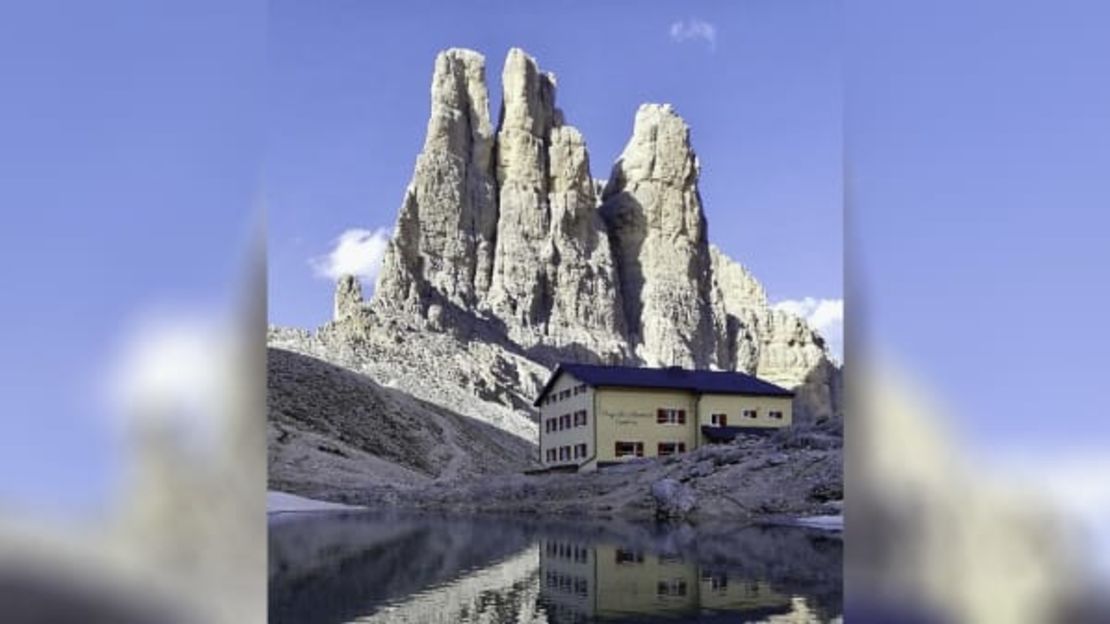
[553, 280]
[658, 231]
[348, 297]
[442, 248]
[501, 240]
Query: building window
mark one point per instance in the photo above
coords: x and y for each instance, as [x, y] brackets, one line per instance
[629, 449]
[580, 418]
[579, 450]
[717, 582]
[775, 415]
[719, 420]
[749, 413]
[670, 448]
[564, 422]
[673, 587]
[670, 416]
[623, 556]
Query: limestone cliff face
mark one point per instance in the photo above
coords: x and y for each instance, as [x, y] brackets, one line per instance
[773, 344]
[658, 231]
[507, 257]
[553, 283]
[348, 298]
[442, 247]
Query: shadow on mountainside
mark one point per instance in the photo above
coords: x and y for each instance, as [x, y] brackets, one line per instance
[333, 430]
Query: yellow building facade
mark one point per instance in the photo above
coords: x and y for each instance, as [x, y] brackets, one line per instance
[592, 416]
[583, 582]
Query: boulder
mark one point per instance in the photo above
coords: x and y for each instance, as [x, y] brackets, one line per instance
[673, 500]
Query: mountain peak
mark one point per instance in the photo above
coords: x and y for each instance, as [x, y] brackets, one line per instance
[503, 238]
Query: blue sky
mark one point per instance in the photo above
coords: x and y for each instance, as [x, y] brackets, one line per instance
[129, 161]
[759, 83]
[978, 141]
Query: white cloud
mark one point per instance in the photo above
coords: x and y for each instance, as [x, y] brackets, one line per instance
[357, 252]
[171, 371]
[824, 315]
[694, 29]
[1074, 484]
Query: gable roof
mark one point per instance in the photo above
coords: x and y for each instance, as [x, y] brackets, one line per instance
[673, 378]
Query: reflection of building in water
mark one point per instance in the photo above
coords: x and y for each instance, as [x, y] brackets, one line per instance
[581, 582]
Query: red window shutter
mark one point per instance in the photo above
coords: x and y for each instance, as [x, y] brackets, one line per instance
[661, 416]
[639, 449]
[682, 417]
[724, 420]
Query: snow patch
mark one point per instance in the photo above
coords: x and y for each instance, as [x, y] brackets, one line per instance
[280, 502]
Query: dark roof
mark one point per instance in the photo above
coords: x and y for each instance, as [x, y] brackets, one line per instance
[673, 378]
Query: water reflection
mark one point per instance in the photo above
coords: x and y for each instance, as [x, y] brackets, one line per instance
[363, 567]
[583, 583]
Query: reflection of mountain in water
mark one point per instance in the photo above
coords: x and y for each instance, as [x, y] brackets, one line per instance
[341, 567]
[333, 567]
[507, 591]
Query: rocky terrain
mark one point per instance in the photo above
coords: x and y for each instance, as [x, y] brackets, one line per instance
[753, 479]
[337, 435]
[507, 258]
[332, 432]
